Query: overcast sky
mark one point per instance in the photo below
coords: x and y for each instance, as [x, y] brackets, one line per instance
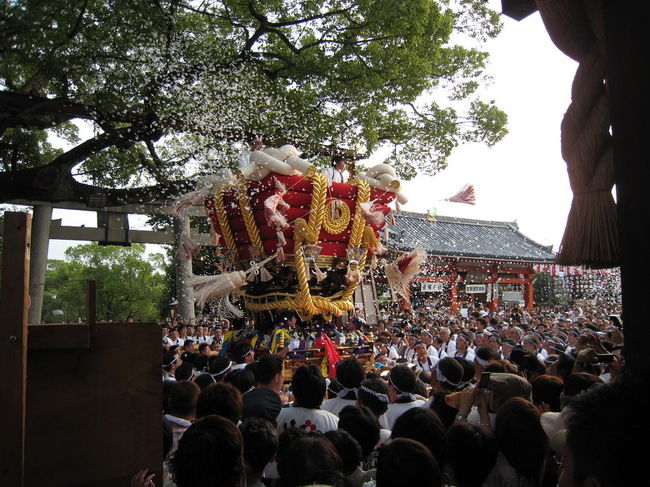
[523, 178]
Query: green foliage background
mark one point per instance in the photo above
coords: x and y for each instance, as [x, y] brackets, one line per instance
[128, 283]
[172, 89]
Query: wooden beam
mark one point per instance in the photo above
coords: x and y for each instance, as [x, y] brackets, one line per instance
[626, 42]
[14, 302]
[512, 280]
[92, 234]
[158, 208]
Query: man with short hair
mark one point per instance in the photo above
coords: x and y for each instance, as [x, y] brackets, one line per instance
[384, 354]
[269, 373]
[401, 385]
[424, 363]
[182, 409]
[603, 438]
[448, 345]
[337, 173]
[437, 344]
[201, 337]
[427, 339]
[463, 349]
[494, 342]
[408, 353]
[350, 374]
[308, 386]
[188, 345]
[260, 447]
[264, 400]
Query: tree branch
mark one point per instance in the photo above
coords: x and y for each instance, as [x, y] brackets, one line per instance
[81, 152]
[20, 110]
[332, 13]
[156, 163]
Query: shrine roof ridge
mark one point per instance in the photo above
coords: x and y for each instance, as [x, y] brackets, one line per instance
[464, 237]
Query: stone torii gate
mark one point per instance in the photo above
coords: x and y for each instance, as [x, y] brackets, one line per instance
[113, 231]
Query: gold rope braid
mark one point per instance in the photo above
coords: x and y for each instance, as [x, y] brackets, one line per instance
[222, 216]
[286, 303]
[303, 297]
[356, 236]
[317, 208]
[336, 218]
[323, 305]
[332, 307]
[247, 215]
[359, 223]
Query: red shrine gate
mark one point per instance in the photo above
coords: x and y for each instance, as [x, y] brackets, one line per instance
[488, 281]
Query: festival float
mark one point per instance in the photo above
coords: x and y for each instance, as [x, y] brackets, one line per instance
[290, 239]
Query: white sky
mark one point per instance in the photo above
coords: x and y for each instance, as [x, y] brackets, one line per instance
[523, 178]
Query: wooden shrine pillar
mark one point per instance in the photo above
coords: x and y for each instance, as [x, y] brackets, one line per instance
[453, 292]
[183, 267]
[628, 71]
[14, 302]
[528, 293]
[493, 300]
[41, 222]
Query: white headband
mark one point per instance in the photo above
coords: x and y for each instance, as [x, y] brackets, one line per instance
[441, 377]
[482, 362]
[167, 365]
[379, 395]
[223, 371]
[345, 391]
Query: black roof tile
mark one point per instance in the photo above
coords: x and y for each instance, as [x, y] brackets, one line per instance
[459, 237]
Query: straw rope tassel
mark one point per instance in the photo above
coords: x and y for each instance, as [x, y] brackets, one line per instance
[590, 238]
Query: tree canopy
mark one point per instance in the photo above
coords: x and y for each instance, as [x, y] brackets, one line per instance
[172, 88]
[128, 283]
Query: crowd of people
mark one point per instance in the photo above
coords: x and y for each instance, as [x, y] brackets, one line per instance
[507, 398]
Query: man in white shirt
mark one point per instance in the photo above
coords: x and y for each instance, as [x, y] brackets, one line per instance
[463, 348]
[350, 375]
[448, 345]
[437, 344]
[182, 409]
[427, 339]
[337, 173]
[201, 337]
[175, 338]
[401, 384]
[423, 361]
[408, 353]
[308, 387]
[385, 354]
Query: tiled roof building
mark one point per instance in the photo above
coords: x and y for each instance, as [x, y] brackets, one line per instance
[470, 260]
[459, 237]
